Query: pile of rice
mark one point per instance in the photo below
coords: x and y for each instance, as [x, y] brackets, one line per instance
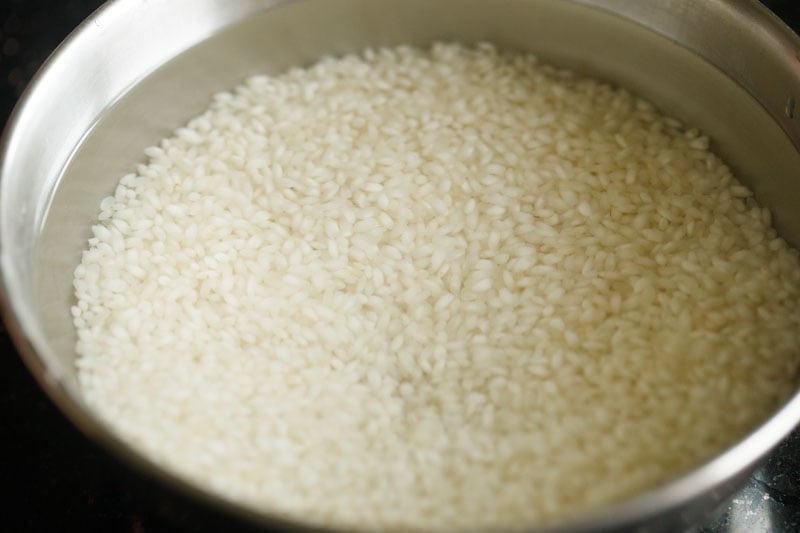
[443, 288]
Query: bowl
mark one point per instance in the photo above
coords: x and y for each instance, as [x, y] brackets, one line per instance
[134, 71]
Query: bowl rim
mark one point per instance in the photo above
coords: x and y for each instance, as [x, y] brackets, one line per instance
[738, 459]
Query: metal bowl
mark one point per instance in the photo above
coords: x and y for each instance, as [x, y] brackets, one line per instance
[135, 70]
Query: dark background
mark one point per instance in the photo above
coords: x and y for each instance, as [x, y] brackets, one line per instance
[56, 480]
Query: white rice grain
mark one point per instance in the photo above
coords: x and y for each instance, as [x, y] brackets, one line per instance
[444, 288]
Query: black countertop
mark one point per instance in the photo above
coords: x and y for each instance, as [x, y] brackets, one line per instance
[60, 481]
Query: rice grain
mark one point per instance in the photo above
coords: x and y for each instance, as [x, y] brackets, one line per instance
[426, 289]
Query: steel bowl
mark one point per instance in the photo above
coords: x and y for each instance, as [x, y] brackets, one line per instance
[135, 70]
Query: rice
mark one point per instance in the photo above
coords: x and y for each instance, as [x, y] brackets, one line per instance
[444, 288]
